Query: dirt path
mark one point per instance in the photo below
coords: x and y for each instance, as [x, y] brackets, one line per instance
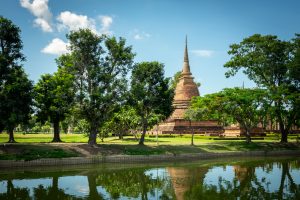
[78, 147]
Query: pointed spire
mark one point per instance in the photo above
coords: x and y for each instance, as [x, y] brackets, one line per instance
[186, 65]
[186, 56]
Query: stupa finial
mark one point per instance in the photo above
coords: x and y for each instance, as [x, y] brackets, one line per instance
[186, 65]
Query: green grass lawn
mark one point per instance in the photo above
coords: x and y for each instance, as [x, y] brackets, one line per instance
[42, 138]
[35, 146]
[130, 140]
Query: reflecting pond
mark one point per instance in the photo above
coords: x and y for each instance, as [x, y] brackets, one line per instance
[236, 178]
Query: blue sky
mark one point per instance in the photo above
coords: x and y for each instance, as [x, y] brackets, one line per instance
[155, 28]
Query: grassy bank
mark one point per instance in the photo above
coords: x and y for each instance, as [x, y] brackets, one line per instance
[33, 152]
[36, 146]
[150, 140]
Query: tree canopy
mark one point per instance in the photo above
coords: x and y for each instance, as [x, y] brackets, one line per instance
[151, 93]
[15, 87]
[231, 105]
[100, 65]
[54, 97]
[272, 64]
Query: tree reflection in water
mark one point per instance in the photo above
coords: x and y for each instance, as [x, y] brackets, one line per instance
[14, 193]
[249, 180]
[246, 185]
[50, 192]
[130, 183]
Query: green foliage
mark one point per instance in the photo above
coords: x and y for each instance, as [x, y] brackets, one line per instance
[46, 127]
[121, 122]
[132, 183]
[15, 88]
[16, 98]
[151, 94]
[274, 65]
[294, 66]
[175, 79]
[209, 107]
[244, 106]
[10, 48]
[82, 126]
[100, 65]
[54, 97]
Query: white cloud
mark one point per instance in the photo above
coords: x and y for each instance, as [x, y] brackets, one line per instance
[72, 21]
[140, 35]
[106, 22]
[40, 9]
[43, 24]
[203, 53]
[56, 47]
[137, 37]
[66, 20]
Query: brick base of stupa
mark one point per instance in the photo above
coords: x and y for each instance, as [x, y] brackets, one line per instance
[181, 126]
[236, 131]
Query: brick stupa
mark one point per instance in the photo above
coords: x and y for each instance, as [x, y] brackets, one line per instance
[186, 89]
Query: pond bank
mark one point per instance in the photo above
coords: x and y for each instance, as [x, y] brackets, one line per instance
[140, 158]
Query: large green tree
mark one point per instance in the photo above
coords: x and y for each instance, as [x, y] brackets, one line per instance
[100, 67]
[245, 106]
[15, 87]
[268, 62]
[151, 93]
[123, 121]
[54, 97]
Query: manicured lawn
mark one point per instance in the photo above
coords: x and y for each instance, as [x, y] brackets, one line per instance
[35, 146]
[149, 140]
[42, 138]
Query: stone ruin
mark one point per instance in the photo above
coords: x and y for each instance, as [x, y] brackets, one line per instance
[186, 89]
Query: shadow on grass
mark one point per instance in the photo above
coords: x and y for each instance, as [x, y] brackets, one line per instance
[128, 149]
[215, 147]
[137, 140]
[33, 152]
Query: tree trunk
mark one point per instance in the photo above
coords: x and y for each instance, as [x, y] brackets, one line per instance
[284, 136]
[293, 186]
[248, 136]
[10, 188]
[56, 137]
[283, 130]
[120, 136]
[11, 135]
[55, 182]
[93, 136]
[192, 141]
[54, 189]
[283, 177]
[93, 192]
[142, 139]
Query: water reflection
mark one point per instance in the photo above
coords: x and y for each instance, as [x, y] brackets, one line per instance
[242, 180]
